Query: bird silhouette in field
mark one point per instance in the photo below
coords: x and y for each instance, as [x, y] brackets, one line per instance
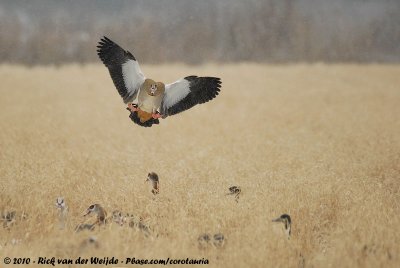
[152, 177]
[287, 223]
[235, 190]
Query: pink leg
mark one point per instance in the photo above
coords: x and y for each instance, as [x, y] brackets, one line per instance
[156, 115]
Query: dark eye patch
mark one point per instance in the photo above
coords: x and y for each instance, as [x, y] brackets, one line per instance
[91, 207]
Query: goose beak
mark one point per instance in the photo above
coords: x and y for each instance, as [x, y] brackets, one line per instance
[277, 220]
[86, 213]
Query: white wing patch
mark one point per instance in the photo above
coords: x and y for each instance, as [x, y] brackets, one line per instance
[175, 92]
[133, 77]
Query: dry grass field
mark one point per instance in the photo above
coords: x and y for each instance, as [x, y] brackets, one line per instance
[319, 142]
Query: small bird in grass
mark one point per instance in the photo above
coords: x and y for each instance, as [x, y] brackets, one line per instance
[62, 208]
[8, 218]
[119, 217]
[60, 203]
[287, 221]
[154, 99]
[146, 230]
[153, 178]
[219, 240]
[235, 190]
[101, 214]
[204, 240]
[133, 221]
[138, 224]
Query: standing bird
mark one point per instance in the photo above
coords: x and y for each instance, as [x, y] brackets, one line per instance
[154, 99]
[235, 190]
[62, 208]
[287, 221]
[153, 178]
[8, 218]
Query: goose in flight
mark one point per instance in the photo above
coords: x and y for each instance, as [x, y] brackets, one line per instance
[147, 99]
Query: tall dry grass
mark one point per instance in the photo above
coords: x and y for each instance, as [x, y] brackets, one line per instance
[319, 142]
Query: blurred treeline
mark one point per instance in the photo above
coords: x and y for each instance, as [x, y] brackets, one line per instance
[196, 31]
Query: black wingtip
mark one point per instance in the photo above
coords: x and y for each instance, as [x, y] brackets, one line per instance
[202, 90]
[105, 39]
[111, 53]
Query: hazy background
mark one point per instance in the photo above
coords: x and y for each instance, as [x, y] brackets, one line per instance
[192, 31]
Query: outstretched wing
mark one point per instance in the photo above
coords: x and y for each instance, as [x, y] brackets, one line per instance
[123, 67]
[187, 92]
